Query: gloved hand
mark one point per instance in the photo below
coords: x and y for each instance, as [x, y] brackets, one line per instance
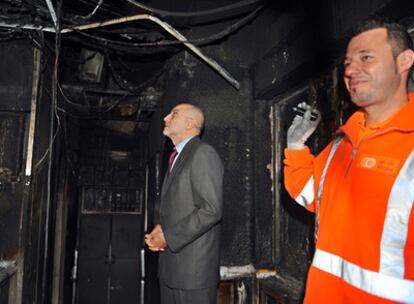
[302, 127]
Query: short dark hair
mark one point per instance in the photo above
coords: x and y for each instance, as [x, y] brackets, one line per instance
[397, 35]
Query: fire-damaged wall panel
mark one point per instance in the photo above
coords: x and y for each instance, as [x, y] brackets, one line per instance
[12, 135]
[293, 225]
[38, 227]
[263, 207]
[16, 62]
[109, 259]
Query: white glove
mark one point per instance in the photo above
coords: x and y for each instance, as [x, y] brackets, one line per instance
[302, 127]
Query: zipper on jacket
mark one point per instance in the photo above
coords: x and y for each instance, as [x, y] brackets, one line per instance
[370, 136]
[354, 151]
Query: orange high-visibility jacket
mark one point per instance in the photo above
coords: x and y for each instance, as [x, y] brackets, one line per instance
[362, 193]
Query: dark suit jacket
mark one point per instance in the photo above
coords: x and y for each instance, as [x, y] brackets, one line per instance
[190, 215]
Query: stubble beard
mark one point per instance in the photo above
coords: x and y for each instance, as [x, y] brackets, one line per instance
[360, 98]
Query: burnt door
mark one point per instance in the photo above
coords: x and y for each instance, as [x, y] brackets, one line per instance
[109, 246]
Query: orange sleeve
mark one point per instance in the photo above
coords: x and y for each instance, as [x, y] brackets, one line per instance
[298, 170]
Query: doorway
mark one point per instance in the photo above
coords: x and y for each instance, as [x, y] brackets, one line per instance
[110, 246]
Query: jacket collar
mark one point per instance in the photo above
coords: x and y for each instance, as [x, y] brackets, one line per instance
[181, 157]
[402, 120]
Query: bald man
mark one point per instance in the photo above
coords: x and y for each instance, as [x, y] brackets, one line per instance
[188, 233]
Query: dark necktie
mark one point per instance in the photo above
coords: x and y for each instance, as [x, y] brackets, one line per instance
[173, 154]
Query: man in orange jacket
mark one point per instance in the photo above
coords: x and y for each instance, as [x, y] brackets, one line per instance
[361, 186]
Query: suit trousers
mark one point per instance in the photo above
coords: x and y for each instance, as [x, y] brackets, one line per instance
[188, 296]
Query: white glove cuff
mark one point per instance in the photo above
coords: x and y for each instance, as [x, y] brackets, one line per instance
[295, 146]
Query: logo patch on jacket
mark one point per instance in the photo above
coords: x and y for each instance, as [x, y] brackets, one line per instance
[379, 163]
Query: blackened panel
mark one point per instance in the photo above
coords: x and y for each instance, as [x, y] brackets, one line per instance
[4, 291]
[125, 285]
[236, 243]
[94, 259]
[103, 175]
[151, 259]
[229, 130]
[94, 237]
[295, 238]
[127, 237]
[92, 282]
[273, 73]
[12, 130]
[71, 199]
[33, 230]
[10, 211]
[120, 177]
[16, 64]
[87, 174]
[263, 206]
[154, 189]
[96, 200]
[279, 290]
[34, 245]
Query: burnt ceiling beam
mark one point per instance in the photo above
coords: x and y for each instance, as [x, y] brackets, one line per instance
[203, 16]
[211, 62]
[52, 12]
[83, 89]
[93, 103]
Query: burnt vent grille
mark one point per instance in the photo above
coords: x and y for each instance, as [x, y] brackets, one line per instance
[112, 200]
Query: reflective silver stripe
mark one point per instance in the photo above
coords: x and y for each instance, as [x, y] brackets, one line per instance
[305, 198]
[335, 146]
[394, 235]
[377, 284]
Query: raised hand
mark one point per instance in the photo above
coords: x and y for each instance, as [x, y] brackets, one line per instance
[302, 127]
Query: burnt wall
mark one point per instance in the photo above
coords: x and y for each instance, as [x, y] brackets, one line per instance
[26, 202]
[43, 183]
[263, 216]
[15, 90]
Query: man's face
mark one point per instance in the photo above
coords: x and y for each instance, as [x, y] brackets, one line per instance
[371, 75]
[176, 122]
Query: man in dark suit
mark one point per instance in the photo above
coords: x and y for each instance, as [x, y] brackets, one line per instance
[188, 233]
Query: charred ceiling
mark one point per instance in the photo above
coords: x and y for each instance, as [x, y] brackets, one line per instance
[109, 56]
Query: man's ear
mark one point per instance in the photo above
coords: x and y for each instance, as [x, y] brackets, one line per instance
[190, 123]
[405, 60]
